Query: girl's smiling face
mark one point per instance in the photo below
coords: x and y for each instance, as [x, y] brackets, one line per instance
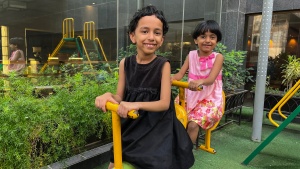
[148, 35]
[13, 47]
[206, 43]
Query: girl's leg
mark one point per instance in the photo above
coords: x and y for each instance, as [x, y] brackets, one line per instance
[111, 166]
[192, 130]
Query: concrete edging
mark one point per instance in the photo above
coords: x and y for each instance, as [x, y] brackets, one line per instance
[79, 157]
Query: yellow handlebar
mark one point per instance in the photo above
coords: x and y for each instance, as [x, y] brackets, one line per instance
[114, 107]
[184, 84]
[116, 125]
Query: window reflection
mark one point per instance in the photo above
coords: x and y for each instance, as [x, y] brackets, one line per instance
[284, 41]
[173, 43]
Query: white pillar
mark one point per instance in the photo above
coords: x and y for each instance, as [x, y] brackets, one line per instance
[262, 66]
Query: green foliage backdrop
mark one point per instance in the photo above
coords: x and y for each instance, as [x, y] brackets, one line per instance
[39, 130]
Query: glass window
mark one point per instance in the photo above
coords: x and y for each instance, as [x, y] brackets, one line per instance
[173, 44]
[284, 41]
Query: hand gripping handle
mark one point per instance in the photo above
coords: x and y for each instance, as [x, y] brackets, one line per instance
[114, 107]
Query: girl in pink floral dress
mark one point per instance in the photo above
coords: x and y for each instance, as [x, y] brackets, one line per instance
[204, 68]
[17, 58]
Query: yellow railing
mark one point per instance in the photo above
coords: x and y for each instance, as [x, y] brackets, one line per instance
[86, 52]
[89, 30]
[68, 28]
[284, 99]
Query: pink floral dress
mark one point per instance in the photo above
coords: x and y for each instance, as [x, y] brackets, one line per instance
[17, 66]
[204, 107]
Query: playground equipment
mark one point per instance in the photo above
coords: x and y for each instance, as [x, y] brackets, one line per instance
[280, 127]
[84, 46]
[283, 101]
[180, 114]
[116, 126]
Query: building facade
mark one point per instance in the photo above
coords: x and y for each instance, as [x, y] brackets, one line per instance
[39, 22]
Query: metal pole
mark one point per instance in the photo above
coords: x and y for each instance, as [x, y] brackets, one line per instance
[118, 11]
[182, 31]
[220, 15]
[262, 66]
[140, 4]
[5, 48]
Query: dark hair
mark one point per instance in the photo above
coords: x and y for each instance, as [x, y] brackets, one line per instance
[209, 25]
[17, 41]
[148, 11]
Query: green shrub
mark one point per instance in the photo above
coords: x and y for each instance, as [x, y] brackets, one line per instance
[235, 75]
[291, 71]
[38, 130]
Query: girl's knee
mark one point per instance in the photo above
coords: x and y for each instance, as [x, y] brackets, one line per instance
[193, 126]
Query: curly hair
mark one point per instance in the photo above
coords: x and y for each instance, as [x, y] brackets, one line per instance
[148, 11]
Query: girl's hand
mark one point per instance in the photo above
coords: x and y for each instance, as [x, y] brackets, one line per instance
[194, 84]
[172, 79]
[100, 101]
[125, 107]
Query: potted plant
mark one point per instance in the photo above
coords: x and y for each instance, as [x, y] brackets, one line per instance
[291, 71]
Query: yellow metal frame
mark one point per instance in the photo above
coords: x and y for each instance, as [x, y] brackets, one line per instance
[99, 43]
[116, 126]
[89, 30]
[206, 145]
[284, 99]
[182, 85]
[67, 32]
[90, 33]
[5, 48]
[85, 51]
[68, 28]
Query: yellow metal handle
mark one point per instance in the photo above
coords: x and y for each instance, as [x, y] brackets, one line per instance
[184, 84]
[114, 107]
[116, 125]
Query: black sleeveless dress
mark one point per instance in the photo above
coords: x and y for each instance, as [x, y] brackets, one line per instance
[155, 140]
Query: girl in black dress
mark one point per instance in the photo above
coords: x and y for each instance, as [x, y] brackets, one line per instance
[156, 139]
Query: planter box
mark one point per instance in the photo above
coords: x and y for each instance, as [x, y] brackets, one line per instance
[233, 105]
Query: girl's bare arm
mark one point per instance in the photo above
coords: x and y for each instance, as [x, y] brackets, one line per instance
[100, 101]
[16, 56]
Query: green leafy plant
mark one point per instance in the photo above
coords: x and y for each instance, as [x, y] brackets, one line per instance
[235, 75]
[37, 130]
[291, 71]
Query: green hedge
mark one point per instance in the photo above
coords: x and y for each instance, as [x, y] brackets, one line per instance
[37, 131]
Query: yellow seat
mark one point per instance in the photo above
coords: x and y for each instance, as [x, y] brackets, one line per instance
[206, 145]
[181, 115]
